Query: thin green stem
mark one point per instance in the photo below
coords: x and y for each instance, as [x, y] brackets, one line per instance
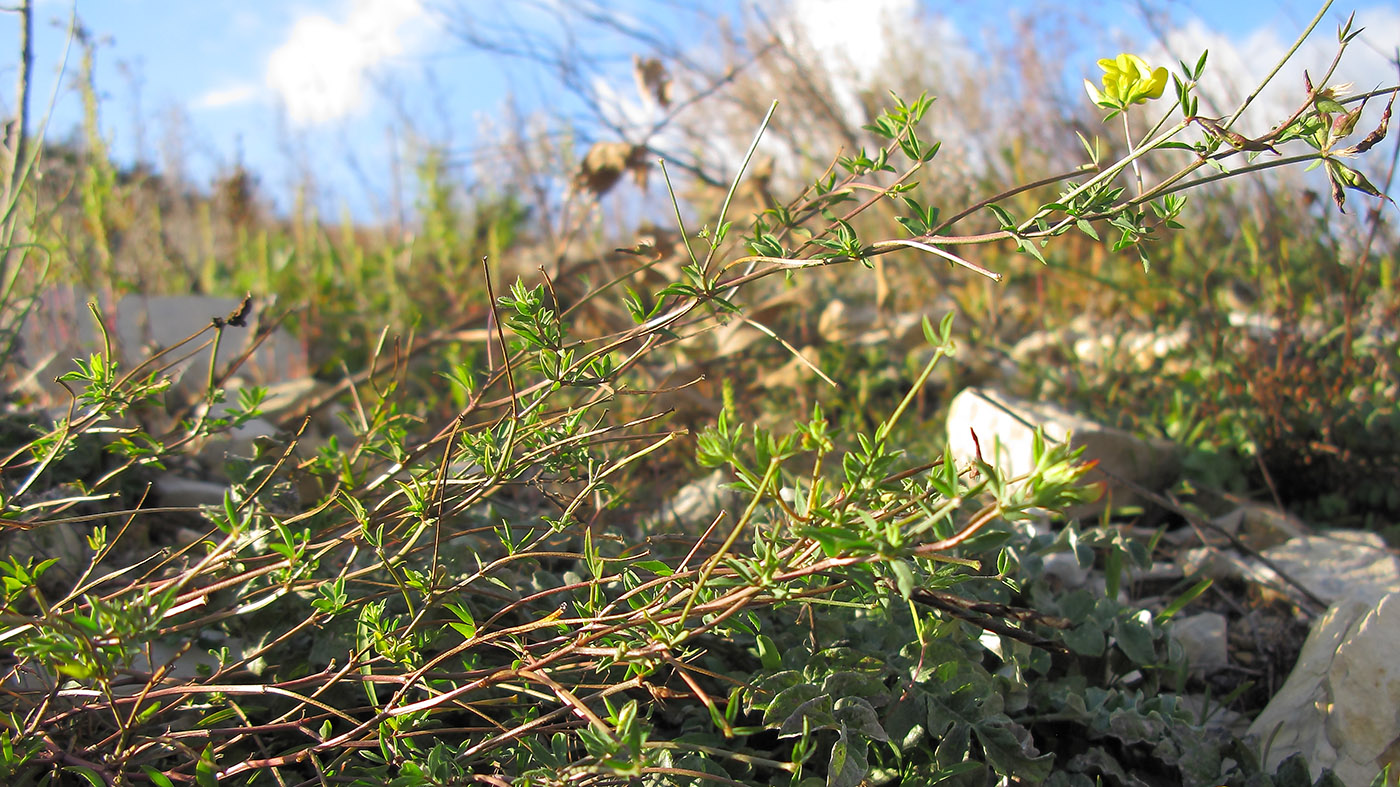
[1287, 56]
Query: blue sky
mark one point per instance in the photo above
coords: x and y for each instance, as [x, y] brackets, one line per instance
[330, 86]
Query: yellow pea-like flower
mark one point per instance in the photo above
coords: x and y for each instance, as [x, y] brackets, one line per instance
[1127, 80]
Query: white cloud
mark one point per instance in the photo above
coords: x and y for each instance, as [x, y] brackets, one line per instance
[1236, 66]
[850, 36]
[232, 95]
[321, 72]
[849, 40]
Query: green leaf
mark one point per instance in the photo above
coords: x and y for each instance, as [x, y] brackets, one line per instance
[1293, 772]
[952, 772]
[768, 653]
[1134, 638]
[1086, 639]
[204, 775]
[467, 628]
[157, 778]
[1010, 751]
[787, 701]
[903, 577]
[654, 566]
[86, 773]
[815, 713]
[1003, 218]
[1181, 601]
[852, 683]
[856, 713]
[848, 763]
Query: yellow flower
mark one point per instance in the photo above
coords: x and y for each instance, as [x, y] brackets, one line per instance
[1127, 80]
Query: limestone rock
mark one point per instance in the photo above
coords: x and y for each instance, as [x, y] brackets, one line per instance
[1261, 525]
[1137, 348]
[864, 326]
[1204, 640]
[1211, 562]
[1338, 706]
[1337, 565]
[177, 492]
[696, 504]
[62, 328]
[1005, 426]
[1083, 341]
[239, 441]
[1065, 570]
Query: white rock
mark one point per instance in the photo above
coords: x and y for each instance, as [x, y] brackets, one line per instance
[1261, 525]
[865, 326]
[1139, 348]
[1005, 426]
[62, 328]
[1340, 564]
[834, 324]
[1338, 707]
[1083, 341]
[736, 336]
[1204, 640]
[698, 503]
[1052, 345]
[1212, 563]
[187, 660]
[795, 373]
[1262, 326]
[1064, 568]
[174, 491]
[1159, 571]
[239, 441]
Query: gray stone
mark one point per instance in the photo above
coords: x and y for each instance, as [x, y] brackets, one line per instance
[239, 441]
[1338, 707]
[1212, 563]
[1005, 426]
[1137, 348]
[1337, 565]
[1262, 326]
[1083, 341]
[62, 328]
[795, 373]
[177, 492]
[697, 504]
[865, 326]
[1065, 569]
[1204, 641]
[1261, 525]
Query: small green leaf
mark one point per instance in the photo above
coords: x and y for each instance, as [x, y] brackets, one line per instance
[1181, 601]
[903, 577]
[848, 763]
[204, 775]
[857, 714]
[467, 627]
[654, 566]
[1086, 639]
[768, 653]
[86, 773]
[1134, 638]
[157, 778]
